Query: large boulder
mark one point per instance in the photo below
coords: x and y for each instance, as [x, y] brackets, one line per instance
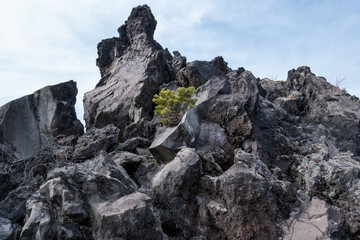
[197, 73]
[32, 123]
[129, 217]
[229, 111]
[177, 177]
[174, 188]
[336, 180]
[95, 140]
[321, 102]
[170, 140]
[64, 205]
[243, 201]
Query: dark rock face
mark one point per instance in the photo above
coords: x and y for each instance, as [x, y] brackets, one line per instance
[64, 205]
[121, 98]
[255, 159]
[31, 123]
[197, 73]
[130, 217]
[94, 140]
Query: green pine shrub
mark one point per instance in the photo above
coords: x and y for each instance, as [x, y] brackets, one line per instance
[171, 106]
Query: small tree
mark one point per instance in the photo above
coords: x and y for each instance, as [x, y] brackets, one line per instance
[172, 106]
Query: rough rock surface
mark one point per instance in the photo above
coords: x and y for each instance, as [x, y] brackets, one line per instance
[133, 67]
[255, 159]
[94, 140]
[31, 123]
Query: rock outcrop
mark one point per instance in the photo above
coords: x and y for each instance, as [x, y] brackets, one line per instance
[31, 123]
[133, 67]
[254, 159]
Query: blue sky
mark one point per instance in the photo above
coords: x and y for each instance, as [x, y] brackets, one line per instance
[45, 42]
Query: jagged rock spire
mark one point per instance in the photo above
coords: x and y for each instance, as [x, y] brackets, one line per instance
[140, 24]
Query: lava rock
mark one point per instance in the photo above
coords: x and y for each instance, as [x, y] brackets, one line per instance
[174, 187]
[197, 73]
[32, 123]
[129, 217]
[244, 206]
[169, 140]
[121, 98]
[64, 205]
[140, 168]
[94, 141]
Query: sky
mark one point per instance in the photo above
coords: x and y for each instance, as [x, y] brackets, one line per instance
[46, 42]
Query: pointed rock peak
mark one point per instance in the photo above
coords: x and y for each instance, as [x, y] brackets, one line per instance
[301, 71]
[302, 78]
[141, 21]
[220, 64]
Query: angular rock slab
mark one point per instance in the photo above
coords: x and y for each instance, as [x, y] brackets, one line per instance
[95, 140]
[33, 122]
[130, 217]
[174, 189]
[66, 200]
[211, 88]
[178, 176]
[169, 140]
[242, 203]
[197, 73]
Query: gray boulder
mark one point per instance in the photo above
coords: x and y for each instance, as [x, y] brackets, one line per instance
[212, 144]
[141, 168]
[174, 188]
[229, 111]
[241, 202]
[272, 89]
[336, 180]
[169, 140]
[129, 217]
[211, 88]
[63, 207]
[197, 73]
[34, 122]
[245, 84]
[95, 140]
[177, 177]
